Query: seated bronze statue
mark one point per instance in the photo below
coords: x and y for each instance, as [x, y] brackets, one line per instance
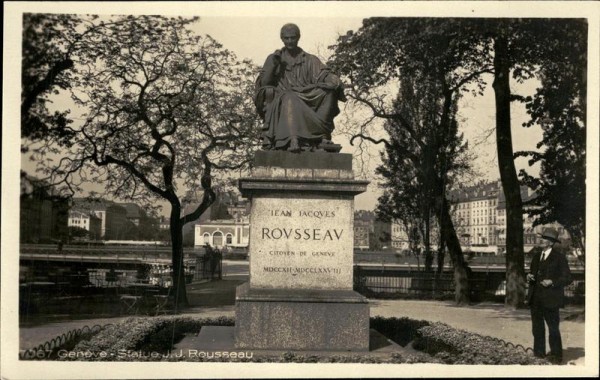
[296, 96]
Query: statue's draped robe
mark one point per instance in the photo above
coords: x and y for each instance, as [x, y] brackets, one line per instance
[291, 105]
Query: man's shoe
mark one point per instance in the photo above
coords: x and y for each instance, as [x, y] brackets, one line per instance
[555, 359]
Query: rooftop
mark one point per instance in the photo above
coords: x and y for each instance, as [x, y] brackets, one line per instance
[133, 211]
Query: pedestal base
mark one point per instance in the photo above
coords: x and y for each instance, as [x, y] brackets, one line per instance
[283, 319]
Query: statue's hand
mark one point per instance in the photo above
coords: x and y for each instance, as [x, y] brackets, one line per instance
[276, 56]
[271, 68]
[332, 81]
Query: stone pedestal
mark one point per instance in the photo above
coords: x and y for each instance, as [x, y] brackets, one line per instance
[300, 295]
[321, 320]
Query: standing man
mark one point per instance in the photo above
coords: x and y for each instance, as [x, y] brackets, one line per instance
[549, 274]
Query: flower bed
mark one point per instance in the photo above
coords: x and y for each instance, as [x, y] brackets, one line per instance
[153, 339]
[127, 340]
[454, 346]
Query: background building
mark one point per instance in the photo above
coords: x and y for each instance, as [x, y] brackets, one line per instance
[363, 227]
[479, 216]
[370, 233]
[44, 213]
[475, 213]
[133, 212]
[223, 234]
[225, 225]
[87, 221]
[164, 223]
[113, 218]
[399, 238]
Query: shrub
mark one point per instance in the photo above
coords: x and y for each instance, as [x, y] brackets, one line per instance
[454, 346]
[150, 334]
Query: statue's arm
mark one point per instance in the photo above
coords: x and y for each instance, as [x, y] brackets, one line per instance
[266, 83]
[270, 68]
[332, 82]
[324, 78]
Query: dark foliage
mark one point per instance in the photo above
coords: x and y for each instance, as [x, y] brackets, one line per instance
[559, 106]
[454, 346]
[444, 343]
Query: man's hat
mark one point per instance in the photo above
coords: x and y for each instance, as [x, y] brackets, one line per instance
[550, 234]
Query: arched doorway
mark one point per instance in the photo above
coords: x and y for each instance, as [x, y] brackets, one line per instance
[218, 239]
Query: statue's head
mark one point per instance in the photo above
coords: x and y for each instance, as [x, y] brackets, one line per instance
[290, 35]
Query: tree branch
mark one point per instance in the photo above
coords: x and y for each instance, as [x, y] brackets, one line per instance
[392, 116]
[44, 85]
[368, 138]
[470, 77]
[133, 170]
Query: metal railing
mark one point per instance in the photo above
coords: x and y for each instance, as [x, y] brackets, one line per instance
[49, 350]
[209, 267]
[390, 281]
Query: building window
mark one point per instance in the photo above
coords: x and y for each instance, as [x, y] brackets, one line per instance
[206, 238]
[229, 239]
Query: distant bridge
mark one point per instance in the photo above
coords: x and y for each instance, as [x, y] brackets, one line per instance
[98, 257]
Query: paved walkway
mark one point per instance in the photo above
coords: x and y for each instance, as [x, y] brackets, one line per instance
[489, 319]
[486, 319]
[32, 336]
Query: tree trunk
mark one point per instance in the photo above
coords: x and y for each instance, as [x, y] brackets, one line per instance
[429, 260]
[461, 277]
[515, 272]
[428, 254]
[440, 255]
[179, 290]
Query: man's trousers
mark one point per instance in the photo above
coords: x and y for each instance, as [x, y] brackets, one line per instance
[539, 314]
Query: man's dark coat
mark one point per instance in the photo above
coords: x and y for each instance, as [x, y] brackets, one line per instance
[556, 268]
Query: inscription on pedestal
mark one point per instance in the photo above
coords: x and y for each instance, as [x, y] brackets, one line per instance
[301, 243]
